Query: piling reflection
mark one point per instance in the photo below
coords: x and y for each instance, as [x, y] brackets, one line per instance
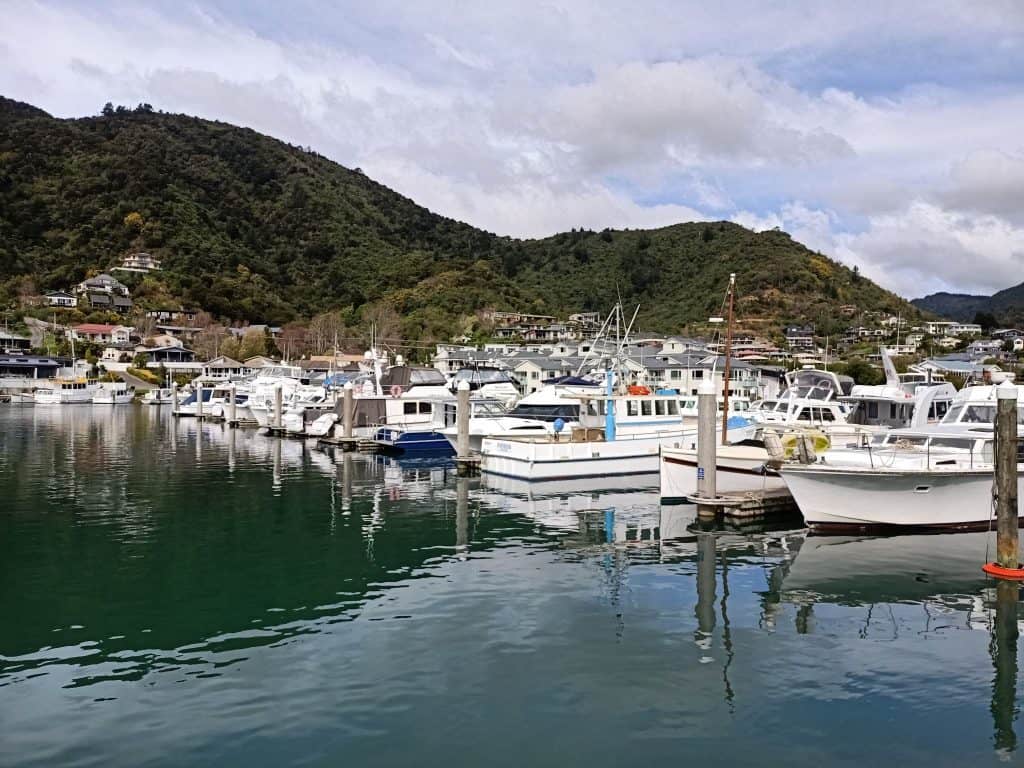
[198, 551]
[1003, 648]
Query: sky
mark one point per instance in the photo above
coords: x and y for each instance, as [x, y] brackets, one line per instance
[887, 135]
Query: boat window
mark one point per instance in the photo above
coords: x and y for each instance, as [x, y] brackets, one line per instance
[962, 444]
[408, 408]
[892, 410]
[660, 407]
[632, 408]
[872, 410]
[600, 407]
[646, 408]
[827, 415]
[986, 451]
[804, 414]
[426, 407]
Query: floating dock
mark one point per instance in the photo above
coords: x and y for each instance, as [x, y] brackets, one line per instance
[746, 505]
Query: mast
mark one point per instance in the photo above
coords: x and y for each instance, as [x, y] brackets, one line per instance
[728, 353]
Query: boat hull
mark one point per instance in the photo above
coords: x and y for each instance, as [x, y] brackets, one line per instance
[733, 473]
[420, 443]
[550, 460]
[843, 499]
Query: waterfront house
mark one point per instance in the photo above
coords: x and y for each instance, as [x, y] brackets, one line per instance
[16, 368]
[13, 343]
[223, 367]
[167, 315]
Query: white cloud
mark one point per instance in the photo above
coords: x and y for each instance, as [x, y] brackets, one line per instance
[530, 123]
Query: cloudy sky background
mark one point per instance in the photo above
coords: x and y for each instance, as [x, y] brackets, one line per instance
[889, 135]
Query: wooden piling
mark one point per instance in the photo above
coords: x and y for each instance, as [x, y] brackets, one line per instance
[199, 402]
[174, 399]
[232, 406]
[1007, 554]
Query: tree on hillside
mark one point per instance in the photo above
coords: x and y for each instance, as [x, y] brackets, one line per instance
[254, 343]
[381, 321]
[986, 320]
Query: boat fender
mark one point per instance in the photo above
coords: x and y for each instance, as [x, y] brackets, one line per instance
[396, 390]
[805, 449]
[773, 444]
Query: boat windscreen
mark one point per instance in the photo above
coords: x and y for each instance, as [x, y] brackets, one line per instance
[541, 412]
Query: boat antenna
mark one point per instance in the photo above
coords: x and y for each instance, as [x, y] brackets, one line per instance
[728, 353]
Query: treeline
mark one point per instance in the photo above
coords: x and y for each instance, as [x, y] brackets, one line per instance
[251, 228]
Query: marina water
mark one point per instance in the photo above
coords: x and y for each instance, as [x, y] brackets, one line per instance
[175, 593]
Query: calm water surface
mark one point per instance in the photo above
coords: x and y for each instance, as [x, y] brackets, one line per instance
[180, 594]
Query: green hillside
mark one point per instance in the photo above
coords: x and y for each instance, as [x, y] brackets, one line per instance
[1006, 306]
[251, 228]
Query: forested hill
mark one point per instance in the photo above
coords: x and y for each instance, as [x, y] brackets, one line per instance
[1006, 307]
[252, 228]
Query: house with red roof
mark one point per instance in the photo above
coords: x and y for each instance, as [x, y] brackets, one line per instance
[102, 334]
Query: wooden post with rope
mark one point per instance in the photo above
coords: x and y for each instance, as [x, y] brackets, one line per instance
[1007, 564]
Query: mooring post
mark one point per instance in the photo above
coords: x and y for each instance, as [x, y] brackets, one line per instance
[232, 409]
[278, 407]
[1007, 555]
[174, 399]
[707, 449]
[462, 420]
[347, 410]
[199, 402]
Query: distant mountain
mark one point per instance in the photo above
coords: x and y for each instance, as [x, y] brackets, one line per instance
[249, 227]
[1007, 305]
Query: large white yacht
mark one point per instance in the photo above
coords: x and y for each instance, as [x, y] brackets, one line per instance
[66, 392]
[930, 476]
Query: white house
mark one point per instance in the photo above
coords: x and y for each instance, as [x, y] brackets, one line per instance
[102, 284]
[61, 299]
[102, 334]
[139, 262]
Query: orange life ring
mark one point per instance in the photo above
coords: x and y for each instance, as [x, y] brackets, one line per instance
[396, 390]
[1012, 574]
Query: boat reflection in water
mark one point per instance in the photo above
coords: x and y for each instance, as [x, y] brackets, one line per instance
[228, 597]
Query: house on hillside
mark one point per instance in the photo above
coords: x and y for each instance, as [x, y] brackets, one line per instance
[61, 299]
[139, 262]
[98, 333]
[102, 284]
[12, 343]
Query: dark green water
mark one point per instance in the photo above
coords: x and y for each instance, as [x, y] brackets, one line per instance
[172, 597]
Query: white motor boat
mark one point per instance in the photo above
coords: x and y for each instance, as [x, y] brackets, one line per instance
[872, 410]
[66, 392]
[161, 396]
[488, 383]
[113, 393]
[617, 435]
[937, 476]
